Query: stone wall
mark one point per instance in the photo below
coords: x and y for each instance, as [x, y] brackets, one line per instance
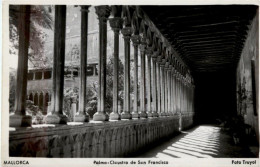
[245, 86]
[46, 84]
[187, 120]
[105, 139]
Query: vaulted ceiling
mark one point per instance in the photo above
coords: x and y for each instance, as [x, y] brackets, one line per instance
[208, 38]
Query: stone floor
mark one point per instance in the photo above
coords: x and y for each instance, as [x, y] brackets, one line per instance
[204, 141]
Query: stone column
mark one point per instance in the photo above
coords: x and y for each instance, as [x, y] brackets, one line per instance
[57, 116]
[38, 102]
[33, 75]
[177, 91]
[116, 25]
[185, 95]
[181, 93]
[82, 115]
[127, 31]
[49, 108]
[169, 91]
[42, 75]
[43, 103]
[158, 88]
[154, 88]
[19, 118]
[149, 109]
[73, 106]
[162, 89]
[173, 92]
[143, 113]
[103, 13]
[136, 41]
[166, 88]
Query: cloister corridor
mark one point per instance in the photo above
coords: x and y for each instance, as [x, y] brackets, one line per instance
[121, 81]
[203, 141]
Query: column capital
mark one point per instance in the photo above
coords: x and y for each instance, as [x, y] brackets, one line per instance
[143, 39]
[162, 63]
[127, 32]
[174, 71]
[149, 51]
[170, 67]
[167, 65]
[154, 59]
[73, 99]
[142, 47]
[135, 39]
[116, 23]
[103, 12]
[155, 54]
[159, 59]
[84, 8]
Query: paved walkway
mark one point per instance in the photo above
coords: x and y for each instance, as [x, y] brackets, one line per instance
[205, 141]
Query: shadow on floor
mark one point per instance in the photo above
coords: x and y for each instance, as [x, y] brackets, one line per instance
[204, 141]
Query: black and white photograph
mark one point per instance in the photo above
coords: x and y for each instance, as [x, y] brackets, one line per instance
[130, 84]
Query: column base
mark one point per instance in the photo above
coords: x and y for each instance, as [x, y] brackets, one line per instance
[162, 114]
[99, 116]
[149, 114]
[155, 114]
[114, 116]
[20, 120]
[81, 118]
[56, 119]
[143, 115]
[126, 115]
[135, 115]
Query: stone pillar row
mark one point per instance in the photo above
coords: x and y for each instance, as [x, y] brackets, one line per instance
[163, 92]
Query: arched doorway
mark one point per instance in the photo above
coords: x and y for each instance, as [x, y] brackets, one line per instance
[36, 99]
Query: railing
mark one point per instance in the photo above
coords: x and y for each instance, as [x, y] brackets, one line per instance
[93, 139]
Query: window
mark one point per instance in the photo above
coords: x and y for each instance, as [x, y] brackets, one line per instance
[47, 74]
[96, 70]
[38, 75]
[75, 73]
[30, 76]
[90, 71]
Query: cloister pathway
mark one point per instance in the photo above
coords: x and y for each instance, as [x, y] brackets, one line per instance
[204, 141]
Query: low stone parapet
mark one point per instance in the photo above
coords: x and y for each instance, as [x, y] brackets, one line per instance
[93, 139]
[187, 120]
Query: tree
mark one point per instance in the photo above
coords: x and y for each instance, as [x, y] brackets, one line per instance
[92, 95]
[109, 83]
[12, 88]
[40, 19]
